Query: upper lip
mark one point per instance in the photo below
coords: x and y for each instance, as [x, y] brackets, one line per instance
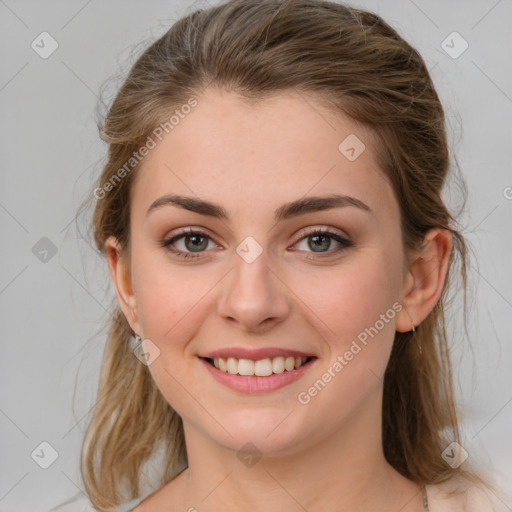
[255, 354]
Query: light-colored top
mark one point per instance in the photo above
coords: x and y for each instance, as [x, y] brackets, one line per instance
[472, 499]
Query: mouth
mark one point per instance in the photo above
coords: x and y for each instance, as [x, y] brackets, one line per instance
[265, 367]
[257, 371]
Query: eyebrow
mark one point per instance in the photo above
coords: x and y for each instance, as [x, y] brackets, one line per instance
[286, 211]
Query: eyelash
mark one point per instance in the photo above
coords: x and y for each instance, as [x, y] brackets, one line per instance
[345, 244]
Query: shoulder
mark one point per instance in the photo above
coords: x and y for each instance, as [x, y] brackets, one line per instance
[459, 495]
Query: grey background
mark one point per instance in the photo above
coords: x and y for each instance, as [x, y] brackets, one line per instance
[51, 312]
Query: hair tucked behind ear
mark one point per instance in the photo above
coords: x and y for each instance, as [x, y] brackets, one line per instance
[360, 66]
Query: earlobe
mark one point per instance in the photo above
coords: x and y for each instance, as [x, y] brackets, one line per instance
[121, 279]
[425, 279]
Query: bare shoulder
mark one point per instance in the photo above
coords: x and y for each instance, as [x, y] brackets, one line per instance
[459, 495]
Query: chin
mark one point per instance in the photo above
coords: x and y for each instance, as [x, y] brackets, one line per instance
[271, 432]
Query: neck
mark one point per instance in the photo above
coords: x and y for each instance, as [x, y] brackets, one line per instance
[345, 472]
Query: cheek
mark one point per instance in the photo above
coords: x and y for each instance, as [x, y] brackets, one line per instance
[168, 299]
[171, 307]
[352, 297]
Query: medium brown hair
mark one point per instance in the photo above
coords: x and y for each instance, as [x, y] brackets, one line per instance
[361, 67]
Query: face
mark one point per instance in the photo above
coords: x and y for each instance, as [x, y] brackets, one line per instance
[308, 292]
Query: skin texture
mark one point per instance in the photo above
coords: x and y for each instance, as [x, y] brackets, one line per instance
[251, 159]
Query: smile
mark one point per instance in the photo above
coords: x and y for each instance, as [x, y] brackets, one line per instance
[253, 373]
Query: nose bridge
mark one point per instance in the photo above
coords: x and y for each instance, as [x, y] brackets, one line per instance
[252, 294]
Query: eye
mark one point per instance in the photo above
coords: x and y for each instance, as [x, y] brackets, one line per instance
[319, 241]
[193, 240]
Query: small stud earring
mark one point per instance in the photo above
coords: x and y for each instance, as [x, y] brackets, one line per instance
[135, 340]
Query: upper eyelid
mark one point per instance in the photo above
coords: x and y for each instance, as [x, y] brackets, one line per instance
[191, 231]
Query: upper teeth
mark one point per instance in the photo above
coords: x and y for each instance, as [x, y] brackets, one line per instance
[260, 368]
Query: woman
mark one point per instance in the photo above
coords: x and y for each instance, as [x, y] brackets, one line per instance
[272, 219]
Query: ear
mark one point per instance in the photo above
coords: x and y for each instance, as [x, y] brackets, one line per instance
[121, 278]
[425, 279]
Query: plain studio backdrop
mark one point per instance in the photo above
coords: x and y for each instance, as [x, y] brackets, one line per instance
[54, 290]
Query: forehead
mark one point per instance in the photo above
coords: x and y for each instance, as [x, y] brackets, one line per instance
[268, 151]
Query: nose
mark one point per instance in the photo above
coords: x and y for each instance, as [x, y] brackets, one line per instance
[253, 295]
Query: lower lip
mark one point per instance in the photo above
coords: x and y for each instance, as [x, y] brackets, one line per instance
[252, 384]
